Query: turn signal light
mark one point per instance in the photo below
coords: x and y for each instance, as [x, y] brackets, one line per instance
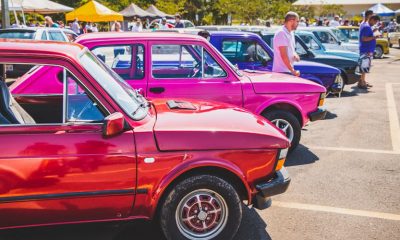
[279, 165]
[321, 100]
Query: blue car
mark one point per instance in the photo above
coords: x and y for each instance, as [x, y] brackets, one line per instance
[249, 51]
[318, 48]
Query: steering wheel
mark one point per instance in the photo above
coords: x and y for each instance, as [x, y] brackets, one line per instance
[195, 72]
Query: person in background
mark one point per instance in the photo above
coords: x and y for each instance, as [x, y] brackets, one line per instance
[335, 22]
[205, 34]
[137, 27]
[367, 44]
[307, 22]
[392, 25]
[118, 27]
[284, 46]
[94, 28]
[75, 26]
[367, 15]
[163, 25]
[268, 24]
[346, 23]
[50, 23]
[88, 27]
[302, 22]
[178, 23]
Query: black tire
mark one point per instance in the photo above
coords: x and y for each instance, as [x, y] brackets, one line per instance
[378, 52]
[291, 119]
[180, 192]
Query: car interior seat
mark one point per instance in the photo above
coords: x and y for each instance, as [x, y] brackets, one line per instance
[10, 111]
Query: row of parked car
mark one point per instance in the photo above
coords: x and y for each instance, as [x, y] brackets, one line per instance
[162, 125]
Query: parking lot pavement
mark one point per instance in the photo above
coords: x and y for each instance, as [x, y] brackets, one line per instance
[345, 176]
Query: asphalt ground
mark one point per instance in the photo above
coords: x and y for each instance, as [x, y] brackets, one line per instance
[345, 176]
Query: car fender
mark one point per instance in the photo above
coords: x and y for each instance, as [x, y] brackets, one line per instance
[275, 101]
[185, 167]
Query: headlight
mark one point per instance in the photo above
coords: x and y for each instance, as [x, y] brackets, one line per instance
[321, 99]
[281, 158]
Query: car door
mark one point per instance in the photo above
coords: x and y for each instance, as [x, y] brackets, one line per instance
[60, 168]
[190, 71]
[126, 59]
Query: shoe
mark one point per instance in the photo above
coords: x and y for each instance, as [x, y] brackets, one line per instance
[362, 87]
[369, 85]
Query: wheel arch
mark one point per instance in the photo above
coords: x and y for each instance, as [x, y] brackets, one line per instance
[226, 173]
[288, 106]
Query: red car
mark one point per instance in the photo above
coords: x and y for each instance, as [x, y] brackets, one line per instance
[101, 152]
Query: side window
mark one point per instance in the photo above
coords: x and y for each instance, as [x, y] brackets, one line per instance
[323, 37]
[56, 36]
[231, 49]
[126, 60]
[246, 51]
[175, 61]
[80, 108]
[299, 49]
[211, 67]
[44, 36]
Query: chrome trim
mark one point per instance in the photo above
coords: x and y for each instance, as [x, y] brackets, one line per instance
[65, 96]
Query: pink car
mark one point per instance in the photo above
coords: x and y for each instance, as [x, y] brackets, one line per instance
[171, 65]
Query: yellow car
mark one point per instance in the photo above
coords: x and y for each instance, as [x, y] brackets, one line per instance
[352, 33]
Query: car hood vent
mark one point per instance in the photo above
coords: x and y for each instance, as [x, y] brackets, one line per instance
[182, 105]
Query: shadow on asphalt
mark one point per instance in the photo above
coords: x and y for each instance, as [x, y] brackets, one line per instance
[330, 115]
[301, 156]
[252, 227]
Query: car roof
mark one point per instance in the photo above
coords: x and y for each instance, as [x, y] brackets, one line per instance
[349, 27]
[303, 32]
[232, 33]
[139, 35]
[28, 29]
[36, 47]
[316, 28]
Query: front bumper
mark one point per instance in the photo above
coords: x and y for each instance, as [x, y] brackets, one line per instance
[317, 115]
[276, 186]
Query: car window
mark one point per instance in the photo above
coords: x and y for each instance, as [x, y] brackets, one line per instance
[244, 51]
[56, 36]
[325, 37]
[310, 42]
[17, 35]
[44, 36]
[126, 60]
[300, 49]
[184, 61]
[351, 33]
[70, 104]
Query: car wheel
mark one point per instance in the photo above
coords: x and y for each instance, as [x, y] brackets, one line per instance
[378, 52]
[201, 207]
[288, 123]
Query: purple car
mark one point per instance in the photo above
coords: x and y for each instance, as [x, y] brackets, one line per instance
[171, 65]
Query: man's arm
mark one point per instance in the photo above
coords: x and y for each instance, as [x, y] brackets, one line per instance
[369, 39]
[284, 56]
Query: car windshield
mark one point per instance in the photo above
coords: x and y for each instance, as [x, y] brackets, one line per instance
[339, 34]
[17, 34]
[126, 97]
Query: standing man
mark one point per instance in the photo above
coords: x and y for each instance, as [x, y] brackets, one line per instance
[163, 24]
[75, 26]
[367, 42]
[284, 46]
[178, 23]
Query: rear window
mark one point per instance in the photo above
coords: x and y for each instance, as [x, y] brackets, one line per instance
[18, 35]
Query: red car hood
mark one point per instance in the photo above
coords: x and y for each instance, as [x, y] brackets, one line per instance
[197, 125]
[281, 83]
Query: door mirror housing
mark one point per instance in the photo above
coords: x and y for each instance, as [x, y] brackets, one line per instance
[114, 124]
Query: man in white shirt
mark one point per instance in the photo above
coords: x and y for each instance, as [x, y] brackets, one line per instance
[284, 46]
[137, 27]
[163, 24]
[302, 22]
[75, 27]
[335, 22]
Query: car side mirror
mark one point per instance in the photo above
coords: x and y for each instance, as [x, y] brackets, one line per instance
[113, 125]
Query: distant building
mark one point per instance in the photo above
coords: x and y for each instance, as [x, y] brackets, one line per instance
[352, 7]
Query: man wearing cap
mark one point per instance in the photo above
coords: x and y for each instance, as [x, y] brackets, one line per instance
[335, 22]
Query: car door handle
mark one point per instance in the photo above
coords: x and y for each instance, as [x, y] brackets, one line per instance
[157, 89]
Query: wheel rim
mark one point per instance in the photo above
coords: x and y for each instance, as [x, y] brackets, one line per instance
[285, 126]
[201, 214]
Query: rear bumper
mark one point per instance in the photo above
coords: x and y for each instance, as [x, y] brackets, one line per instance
[317, 115]
[276, 186]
